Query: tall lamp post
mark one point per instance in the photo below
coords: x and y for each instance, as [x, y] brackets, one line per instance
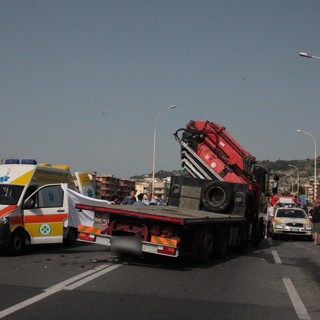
[298, 178]
[154, 142]
[315, 162]
[308, 55]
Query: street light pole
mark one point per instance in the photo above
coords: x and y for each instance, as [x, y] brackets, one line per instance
[308, 55]
[315, 162]
[154, 143]
[298, 178]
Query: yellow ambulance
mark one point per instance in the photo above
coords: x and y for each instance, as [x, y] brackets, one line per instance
[33, 208]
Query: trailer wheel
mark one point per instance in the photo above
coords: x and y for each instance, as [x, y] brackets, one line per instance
[16, 244]
[217, 196]
[205, 245]
[220, 249]
[71, 238]
[242, 238]
[257, 232]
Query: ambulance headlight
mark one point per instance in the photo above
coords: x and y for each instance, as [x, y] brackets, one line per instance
[4, 220]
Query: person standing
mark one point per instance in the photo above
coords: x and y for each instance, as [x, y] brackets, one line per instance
[131, 199]
[150, 200]
[269, 216]
[316, 222]
[139, 201]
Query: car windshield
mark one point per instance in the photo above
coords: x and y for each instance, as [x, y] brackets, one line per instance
[10, 194]
[290, 213]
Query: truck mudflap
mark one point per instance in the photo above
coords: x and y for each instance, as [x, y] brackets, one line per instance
[136, 245]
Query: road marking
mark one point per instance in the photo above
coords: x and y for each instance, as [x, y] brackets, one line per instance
[68, 284]
[276, 257]
[298, 305]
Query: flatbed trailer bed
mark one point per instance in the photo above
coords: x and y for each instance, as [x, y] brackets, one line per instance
[195, 233]
[181, 216]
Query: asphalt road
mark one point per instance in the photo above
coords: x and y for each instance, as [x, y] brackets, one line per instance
[279, 280]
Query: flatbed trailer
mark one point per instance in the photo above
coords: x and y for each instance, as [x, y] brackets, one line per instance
[144, 229]
[219, 205]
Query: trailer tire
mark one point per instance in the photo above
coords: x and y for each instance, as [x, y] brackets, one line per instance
[217, 196]
[220, 249]
[205, 245]
[257, 232]
[71, 238]
[242, 239]
[16, 243]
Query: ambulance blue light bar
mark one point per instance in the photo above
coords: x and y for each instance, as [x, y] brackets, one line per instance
[12, 161]
[28, 161]
[23, 161]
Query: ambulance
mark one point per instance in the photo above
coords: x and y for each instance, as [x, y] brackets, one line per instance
[33, 208]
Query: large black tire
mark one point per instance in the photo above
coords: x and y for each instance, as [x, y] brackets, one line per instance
[217, 196]
[17, 244]
[257, 232]
[205, 245]
[221, 242]
[242, 238]
[71, 238]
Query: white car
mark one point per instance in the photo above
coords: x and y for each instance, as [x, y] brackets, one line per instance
[291, 221]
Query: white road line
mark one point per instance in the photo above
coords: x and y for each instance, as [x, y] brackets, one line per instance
[64, 285]
[95, 275]
[276, 257]
[298, 305]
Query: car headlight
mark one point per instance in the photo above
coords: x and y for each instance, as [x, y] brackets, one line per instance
[308, 226]
[279, 225]
[4, 220]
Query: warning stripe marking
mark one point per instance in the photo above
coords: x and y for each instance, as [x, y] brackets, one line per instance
[86, 229]
[7, 210]
[46, 218]
[164, 241]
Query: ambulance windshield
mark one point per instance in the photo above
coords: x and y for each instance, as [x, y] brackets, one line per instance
[10, 194]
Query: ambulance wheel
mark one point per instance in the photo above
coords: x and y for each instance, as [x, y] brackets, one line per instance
[217, 196]
[16, 244]
[72, 237]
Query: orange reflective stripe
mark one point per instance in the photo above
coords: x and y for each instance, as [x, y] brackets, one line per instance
[164, 241]
[45, 218]
[92, 230]
[7, 210]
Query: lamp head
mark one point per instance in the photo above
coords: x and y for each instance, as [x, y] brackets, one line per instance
[305, 54]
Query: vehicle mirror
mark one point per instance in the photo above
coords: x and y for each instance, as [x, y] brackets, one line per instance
[29, 203]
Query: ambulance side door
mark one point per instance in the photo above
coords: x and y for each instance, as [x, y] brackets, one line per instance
[44, 214]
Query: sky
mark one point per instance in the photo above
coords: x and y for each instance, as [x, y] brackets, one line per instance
[81, 81]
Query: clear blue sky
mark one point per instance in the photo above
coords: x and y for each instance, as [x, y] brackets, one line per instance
[82, 81]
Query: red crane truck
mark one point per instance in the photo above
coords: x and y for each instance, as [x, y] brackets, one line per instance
[217, 206]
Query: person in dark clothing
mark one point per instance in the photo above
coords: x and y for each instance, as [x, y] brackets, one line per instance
[316, 221]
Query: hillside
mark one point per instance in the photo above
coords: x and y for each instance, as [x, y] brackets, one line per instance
[280, 167]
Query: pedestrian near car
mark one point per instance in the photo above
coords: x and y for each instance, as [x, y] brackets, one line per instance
[269, 216]
[316, 222]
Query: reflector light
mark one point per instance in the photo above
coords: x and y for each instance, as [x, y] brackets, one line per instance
[166, 250]
[87, 237]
